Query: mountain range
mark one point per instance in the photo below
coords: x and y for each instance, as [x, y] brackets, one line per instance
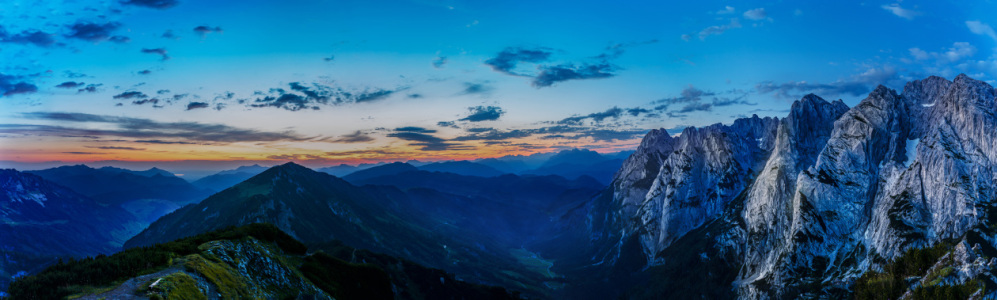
[461, 224]
[41, 220]
[892, 198]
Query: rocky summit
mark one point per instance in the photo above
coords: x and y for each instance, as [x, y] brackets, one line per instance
[803, 206]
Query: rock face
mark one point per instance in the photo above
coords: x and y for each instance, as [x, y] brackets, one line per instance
[673, 185]
[827, 193]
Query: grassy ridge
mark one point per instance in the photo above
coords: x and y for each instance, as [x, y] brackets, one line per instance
[329, 272]
[70, 277]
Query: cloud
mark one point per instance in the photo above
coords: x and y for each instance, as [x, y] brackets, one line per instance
[471, 88]
[451, 124]
[93, 32]
[69, 85]
[439, 62]
[554, 132]
[428, 142]
[483, 113]
[303, 96]
[196, 105]
[290, 102]
[755, 14]
[130, 95]
[90, 88]
[169, 35]
[204, 30]
[495, 135]
[957, 52]
[614, 112]
[636, 111]
[82, 153]
[356, 137]
[163, 142]
[616, 50]
[688, 94]
[726, 11]
[144, 72]
[330, 58]
[856, 85]
[364, 152]
[693, 107]
[507, 60]
[27, 37]
[114, 148]
[414, 129]
[160, 51]
[119, 39]
[900, 11]
[145, 129]
[610, 135]
[370, 96]
[724, 101]
[154, 101]
[12, 85]
[157, 4]
[981, 28]
[715, 30]
[549, 75]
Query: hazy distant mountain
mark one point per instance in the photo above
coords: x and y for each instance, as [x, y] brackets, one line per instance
[225, 179]
[41, 219]
[111, 186]
[344, 169]
[579, 162]
[254, 169]
[147, 173]
[146, 194]
[382, 170]
[462, 168]
[504, 166]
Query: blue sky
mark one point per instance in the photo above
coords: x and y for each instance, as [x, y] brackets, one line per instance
[327, 82]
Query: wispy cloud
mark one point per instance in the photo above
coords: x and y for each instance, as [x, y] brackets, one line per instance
[715, 30]
[144, 129]
[356, 137]
[856, 85]
[981, 28]
[895, 9]
[755, 14]
[160, 51]
[157, 4]
[549, 75]
[204, 30]
[507, 60]
[95, 32]
[426, 141]
[300, 96]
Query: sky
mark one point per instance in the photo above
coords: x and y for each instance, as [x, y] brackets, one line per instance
[330, 82]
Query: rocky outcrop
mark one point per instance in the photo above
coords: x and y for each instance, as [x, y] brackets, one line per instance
[224, 269]
[841, 191]
[673, 185]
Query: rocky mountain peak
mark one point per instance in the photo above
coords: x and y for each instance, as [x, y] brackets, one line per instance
[836, 190]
